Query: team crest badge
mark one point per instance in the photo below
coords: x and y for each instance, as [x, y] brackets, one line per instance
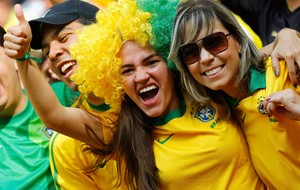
[205, 113]
[260, 105]
[48, 132]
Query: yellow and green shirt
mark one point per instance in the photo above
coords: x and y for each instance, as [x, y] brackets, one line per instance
[274, 142]
[196, 149]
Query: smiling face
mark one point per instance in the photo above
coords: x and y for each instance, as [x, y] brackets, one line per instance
[147, 80]
[55, 46]
[220, 71]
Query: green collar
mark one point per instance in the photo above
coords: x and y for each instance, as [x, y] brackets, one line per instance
[257, 81]
[102, 107]
[179, 112]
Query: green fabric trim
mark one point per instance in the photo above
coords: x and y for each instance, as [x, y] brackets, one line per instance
[257, 81]
[102, 107]
[55, 173]
[27, 56]
[179, 112]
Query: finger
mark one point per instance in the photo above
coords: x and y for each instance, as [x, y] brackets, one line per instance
[292, 70]
[271, 108]
[275, 64]
[297, 66]
[11, 53]
[12, 38]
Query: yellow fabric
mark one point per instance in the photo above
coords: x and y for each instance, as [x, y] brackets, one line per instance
[250, 33]
[68, 162]
[274, 142]
[201, 151]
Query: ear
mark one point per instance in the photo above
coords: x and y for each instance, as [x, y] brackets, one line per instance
[239, 47]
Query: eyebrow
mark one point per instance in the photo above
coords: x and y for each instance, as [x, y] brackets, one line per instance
[56, 32]
[144, 60]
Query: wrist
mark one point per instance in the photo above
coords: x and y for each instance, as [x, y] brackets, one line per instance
[27, 56]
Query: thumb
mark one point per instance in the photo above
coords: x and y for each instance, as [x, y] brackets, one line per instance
[23, 23]
[19, 14]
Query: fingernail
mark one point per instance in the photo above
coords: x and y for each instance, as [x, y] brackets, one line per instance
[268, 99]
[276, 73]
[295, 85]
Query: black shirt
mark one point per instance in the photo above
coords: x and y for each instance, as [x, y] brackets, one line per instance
[265, 17]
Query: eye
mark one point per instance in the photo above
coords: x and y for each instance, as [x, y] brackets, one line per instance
[152, 62]
[64, 37]
[45, 52]
[126, 71]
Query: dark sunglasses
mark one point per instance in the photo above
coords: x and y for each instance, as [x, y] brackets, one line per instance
[214, 43]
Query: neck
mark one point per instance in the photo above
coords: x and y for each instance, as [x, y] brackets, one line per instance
[236, 91]
[293, 4]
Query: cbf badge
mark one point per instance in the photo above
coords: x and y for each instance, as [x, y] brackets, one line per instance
[260, 106]
[205, 113]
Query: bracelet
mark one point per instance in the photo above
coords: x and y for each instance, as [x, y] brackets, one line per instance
[27, 56]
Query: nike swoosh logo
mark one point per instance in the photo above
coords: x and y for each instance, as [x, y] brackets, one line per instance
[165, 140]
[243, 119]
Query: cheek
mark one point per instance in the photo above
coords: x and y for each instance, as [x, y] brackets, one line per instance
[50, 65]
[128, 85]
[194, 71]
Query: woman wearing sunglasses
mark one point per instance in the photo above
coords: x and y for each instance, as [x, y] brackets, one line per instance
[218, 62]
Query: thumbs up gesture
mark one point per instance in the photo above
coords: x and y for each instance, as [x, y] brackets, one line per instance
[18, 37]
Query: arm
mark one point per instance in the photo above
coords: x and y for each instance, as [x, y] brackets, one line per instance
[69, 121]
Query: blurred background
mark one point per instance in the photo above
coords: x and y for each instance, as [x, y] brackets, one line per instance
[33, 9]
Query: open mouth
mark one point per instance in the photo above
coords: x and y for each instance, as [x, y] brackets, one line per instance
[148, 92]
[213, 71]
[66, 68]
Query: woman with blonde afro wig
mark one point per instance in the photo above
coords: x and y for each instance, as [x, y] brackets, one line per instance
[147, 23]
[161, 142]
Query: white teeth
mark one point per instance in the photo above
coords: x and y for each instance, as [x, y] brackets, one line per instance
[66, 66]
[148, 89]
[213, 71]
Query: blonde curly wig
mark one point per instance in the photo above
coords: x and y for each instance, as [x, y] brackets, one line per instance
[98, 45]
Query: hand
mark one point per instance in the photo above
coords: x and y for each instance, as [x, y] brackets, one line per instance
[287, 47]
[18, 37]
[285, 102]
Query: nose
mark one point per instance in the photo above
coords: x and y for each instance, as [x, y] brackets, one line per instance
[141, 75]
[205, 56]
[55, 50]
